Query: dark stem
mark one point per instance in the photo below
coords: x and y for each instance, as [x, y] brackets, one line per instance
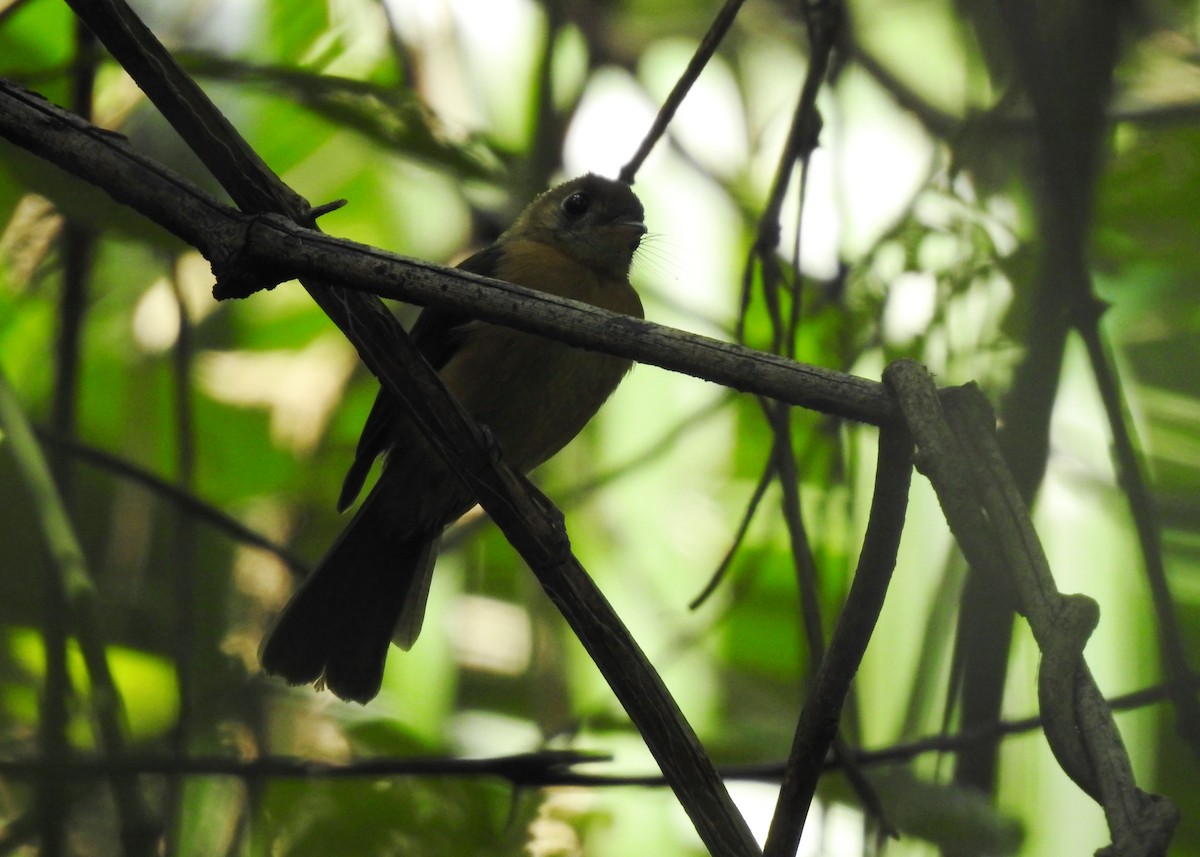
[704, 52]
[818, 722]
[1132, 476]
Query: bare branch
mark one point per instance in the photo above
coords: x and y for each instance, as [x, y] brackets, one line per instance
[269, 249]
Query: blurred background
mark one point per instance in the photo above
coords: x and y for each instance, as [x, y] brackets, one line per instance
[930, 223]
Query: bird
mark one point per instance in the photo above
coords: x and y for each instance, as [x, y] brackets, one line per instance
[576, 240]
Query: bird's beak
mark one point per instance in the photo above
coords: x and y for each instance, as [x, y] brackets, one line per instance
[634, 229]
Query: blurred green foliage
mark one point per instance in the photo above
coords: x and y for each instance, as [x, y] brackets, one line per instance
[919, 239]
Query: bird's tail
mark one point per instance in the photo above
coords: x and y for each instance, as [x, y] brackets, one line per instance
[370, 588]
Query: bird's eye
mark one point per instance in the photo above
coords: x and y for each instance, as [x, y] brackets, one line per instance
[576, 205]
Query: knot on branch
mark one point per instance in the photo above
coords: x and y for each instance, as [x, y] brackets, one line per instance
[1151, 831]
[555, 539]
[239, 271]
[535, 769]
[1061, 667]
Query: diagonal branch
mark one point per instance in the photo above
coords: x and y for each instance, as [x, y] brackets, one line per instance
[818, 723]
[527, 519]
[1133, 479]
[704, 52]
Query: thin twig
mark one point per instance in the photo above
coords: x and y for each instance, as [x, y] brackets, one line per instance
[1142, 508]
[535, 769]
[183, 554]
[760, 490]
[193, 506]
[763, 255]
[788, 475]
[704, 52]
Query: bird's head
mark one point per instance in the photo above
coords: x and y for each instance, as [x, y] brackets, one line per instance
[596, 221]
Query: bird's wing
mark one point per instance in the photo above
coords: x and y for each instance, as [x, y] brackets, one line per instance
[438, 334]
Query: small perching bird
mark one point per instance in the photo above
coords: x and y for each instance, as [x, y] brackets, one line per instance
[576, 240]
